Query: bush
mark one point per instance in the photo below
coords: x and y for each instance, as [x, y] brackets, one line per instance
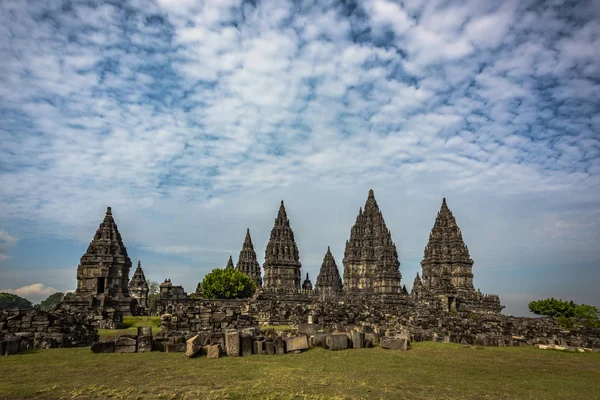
[227, 283]
[567, 313]
[9, 300]
[51, 301]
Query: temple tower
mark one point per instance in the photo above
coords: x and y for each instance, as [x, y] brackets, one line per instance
[307, 284]
[247, 262]
[282, 261]
[103, 271]
[446, 261]
[370, 260]
[229, 263]
[138, 287]
[329, 282]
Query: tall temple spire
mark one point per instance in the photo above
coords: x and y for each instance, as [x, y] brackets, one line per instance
[446, 260]
[229, 263]
[282, 259]
[307, 284]
[138, 287]
[103, 271]
[329, 282]
[370, 259]
[247, 262]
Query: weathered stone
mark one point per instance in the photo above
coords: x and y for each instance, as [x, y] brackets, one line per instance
[11, 347]
[372, 337]
[213, 351]
[175, 347]
[125, 349]
[307, 329]
[296, 343]
[103, 347]
[193, 346]
[358, 340]
[144, 344]
[270, 348]
[258, 347]
[395, 343]
[318, 340]
[126, 340]
[138, 290]
[232, 343]
[329, 283]
[337, 341]
[246, 345]
[280, 346]
[144, 331]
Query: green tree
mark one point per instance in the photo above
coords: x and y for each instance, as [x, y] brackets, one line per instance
[51, 301]
[10, 300]
[153, 289]
[227, 283]
[567, 313]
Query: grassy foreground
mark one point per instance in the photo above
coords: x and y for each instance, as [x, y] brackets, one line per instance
[132, 324]
[428, 371]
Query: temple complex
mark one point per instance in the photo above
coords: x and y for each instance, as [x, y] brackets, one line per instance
[448, 267]
[329, 282]
[103, 271]
[138, 289]
[370, 261]
[282, 260]
[247, 262]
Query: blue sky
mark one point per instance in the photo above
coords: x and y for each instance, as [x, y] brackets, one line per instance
[194, 119]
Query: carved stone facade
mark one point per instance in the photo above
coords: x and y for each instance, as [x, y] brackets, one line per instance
[103, 272]
[371, 263]
[171, 292]
[282, 260]
[247, 262]
[448, 268]
[329, 282]
[138, 287]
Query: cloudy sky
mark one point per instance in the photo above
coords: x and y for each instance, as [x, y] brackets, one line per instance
[194, 119]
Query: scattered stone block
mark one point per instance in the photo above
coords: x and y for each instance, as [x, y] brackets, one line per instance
[280, 346]
[11, 347]
[395, 343]
[232, 343]
[336, 341]
[358, 340]
[175, 347]
[258, 347]
[103, 347]
[296, 343]
[193, 346]
[270, 348]
[126, 344]
[319, 339]
[246, 345]
[144, 331]
[125, 349]
[307, 329]
[213, 351]
[144, 344]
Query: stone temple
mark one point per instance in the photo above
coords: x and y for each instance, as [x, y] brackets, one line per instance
[247, 262]
[329, 282]
[282, 259]
[371, 263]
[103, 272]
[138, 289]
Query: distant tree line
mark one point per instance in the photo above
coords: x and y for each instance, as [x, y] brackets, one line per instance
[567, 313]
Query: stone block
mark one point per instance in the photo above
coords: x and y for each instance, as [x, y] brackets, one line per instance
[258, 347]
[11, 347]
[232, 343]
[336, 341]
[372, 337]
[125, 349]
[126, 340]
[296, 343]
[175, 347]
[307, 329]
[193, 346]
[395, 343]
[246, 344]
[103, 347]
[158, 345]
[270, 348]
[279, 346]
[213, 351]
[144, 331]
[217, 338]
[319, 339]
[358, 340]
[144, 344]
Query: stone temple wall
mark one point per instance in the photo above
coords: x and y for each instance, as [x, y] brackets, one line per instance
[24, 329]
[424, 322]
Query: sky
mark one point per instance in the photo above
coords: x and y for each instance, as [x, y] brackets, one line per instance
[193, 120]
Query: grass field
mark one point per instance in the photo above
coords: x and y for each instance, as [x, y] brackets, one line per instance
[132, 324]
[428, 371]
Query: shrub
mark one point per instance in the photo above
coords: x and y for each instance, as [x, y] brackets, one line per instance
[567, 313]
[227, 283]
[9, 300]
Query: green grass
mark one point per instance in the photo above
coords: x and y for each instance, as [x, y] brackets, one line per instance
[428, 371]
[132, 324]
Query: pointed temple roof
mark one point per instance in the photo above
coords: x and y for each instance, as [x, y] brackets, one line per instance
[370, 239]
[329, 275]
[107, 240]
[446, 243]
[307, 284]
[138, 280]
[282, 249]
[229, 263]
[247, 262]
